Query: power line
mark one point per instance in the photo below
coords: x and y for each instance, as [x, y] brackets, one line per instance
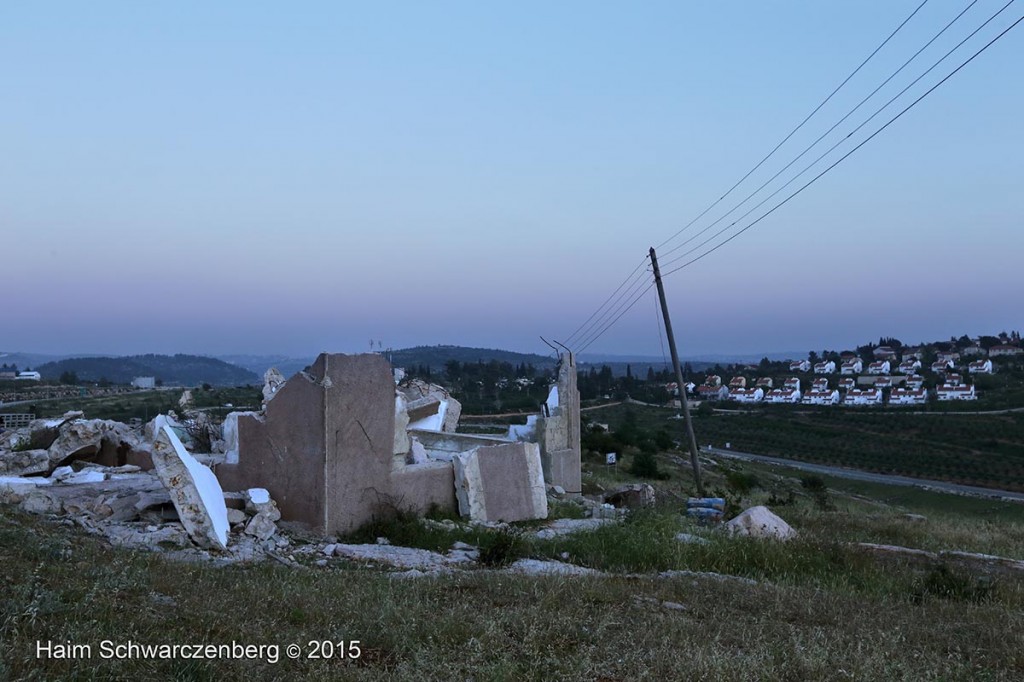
[609, 325]
[825, 134]
[589, 326]
[598, 330]
[865, 141]
[801, 125]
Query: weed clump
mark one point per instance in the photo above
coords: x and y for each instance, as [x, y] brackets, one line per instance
[501, 548]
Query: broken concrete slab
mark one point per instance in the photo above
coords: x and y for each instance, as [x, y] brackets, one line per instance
[14, 489]
[399, 557]
[423, 487]
[502, 483]
[193, 488]
[101, 441]
[24, 462]
[431, 407]
[760, 522]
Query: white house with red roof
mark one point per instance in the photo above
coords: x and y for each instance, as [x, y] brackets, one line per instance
[800, 366]
[1004, 350]
[915, 381]
[854, 366]
[908, 396]
[783, 395]
[880, 367]
[847, 383]
[747, 395]
[793, 383]
[765, 382]
[883, 382]
[939, 366]
[828, 367]
[910, 366]
[707, 392]
[737, 382]
[824, 397]
[863, 396]
[958, 392]
[819, 384]
[980, 367]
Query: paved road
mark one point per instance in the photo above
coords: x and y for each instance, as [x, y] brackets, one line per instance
[856, 475]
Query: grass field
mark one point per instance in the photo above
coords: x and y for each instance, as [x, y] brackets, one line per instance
[821, 610]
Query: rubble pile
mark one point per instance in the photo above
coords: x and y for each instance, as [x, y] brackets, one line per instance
[78, 469]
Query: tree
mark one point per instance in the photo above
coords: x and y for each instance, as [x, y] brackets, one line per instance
[69, 378]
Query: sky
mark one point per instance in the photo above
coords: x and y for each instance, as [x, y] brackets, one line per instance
[257, 177]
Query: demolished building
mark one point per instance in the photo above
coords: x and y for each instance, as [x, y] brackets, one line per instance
[339, 444]
[334, 447]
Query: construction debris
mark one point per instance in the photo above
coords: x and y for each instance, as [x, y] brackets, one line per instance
[194, 490]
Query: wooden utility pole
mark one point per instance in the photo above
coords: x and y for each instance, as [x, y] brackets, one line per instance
[679, 377]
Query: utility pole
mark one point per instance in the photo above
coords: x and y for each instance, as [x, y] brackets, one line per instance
[679, 377]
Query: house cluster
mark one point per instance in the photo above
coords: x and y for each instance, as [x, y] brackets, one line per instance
[891, 372]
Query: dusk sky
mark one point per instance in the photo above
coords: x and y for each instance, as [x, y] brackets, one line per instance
[296, 177]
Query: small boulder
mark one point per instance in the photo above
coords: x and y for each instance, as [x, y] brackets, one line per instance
[760, 522]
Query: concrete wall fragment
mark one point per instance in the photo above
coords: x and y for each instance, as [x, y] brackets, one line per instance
[501, 483]
[324, 446]
[558, 433]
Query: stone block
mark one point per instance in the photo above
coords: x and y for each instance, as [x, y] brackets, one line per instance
[501, 483]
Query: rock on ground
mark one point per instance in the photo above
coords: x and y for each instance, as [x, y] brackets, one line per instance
[760, 522]
[539, 567]
[399, 557]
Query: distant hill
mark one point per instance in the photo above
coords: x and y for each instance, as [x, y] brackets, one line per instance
[259, 364]
[184, 370]
[435, 357]
[25, 360]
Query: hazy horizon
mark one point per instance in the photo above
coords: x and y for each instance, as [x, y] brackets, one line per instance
[258, 179]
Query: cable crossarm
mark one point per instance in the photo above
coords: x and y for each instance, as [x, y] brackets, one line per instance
[824, 135]
[861, 144]
[614, 313]
[590, 322]
[798, 127]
